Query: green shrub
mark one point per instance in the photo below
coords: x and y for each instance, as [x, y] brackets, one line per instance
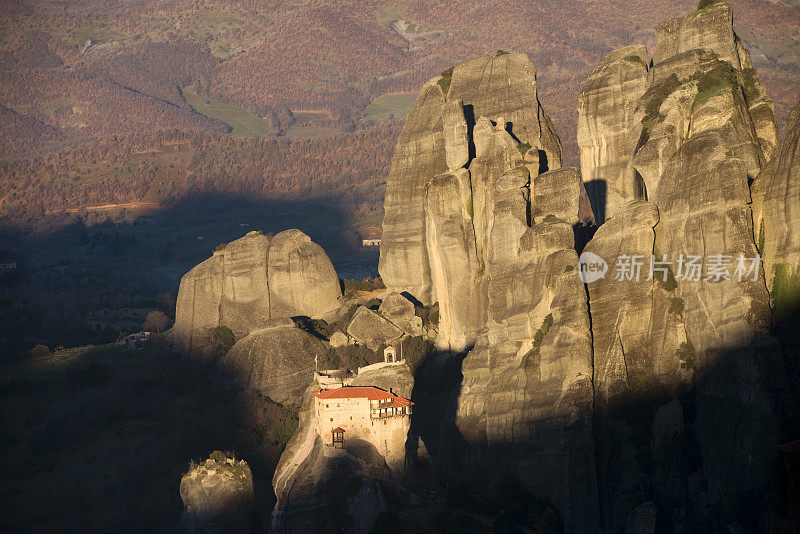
[543, 330]
[633, 59]
[552, 219]
[722, 76]
[670, 284]
[702, 4]
[354, 356]
[224, 336]
[547, 322]
[655, 96]
[428, 314]
[414, 351]
[329, 360]
[218, 456]
[676, 306]
[283, 430]
[785, 291]
[434, 317]
[523, 148]
[221, 246]
[444, 81]
[470, 209]
[501, 53]
[367, 284]
[749, 78]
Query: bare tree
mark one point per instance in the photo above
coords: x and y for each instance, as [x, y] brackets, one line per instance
[156, 320]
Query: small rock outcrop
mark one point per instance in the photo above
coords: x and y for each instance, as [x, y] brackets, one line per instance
[217, 496]
[339, 339]
[276, 360]
[250, 281]
[400, 312]
[371, 329]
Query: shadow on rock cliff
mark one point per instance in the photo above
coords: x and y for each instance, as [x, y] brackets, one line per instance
[699, 455]
[442, 466]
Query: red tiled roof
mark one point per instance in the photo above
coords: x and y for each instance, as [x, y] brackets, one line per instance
[338, 430]
[363, 392]
[401, 402]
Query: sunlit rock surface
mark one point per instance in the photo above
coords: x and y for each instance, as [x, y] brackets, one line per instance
[438, 137]
[372, 329]
[606, 107]
[686, 375]
[400, 312]
[776, 205]
[500, 259]
[251, 280]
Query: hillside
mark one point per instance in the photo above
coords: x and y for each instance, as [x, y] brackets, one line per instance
[75, 67]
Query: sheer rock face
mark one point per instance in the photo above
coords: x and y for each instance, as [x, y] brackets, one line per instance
[301, 277]
[504, 85]
[218, 497]
[444, 134]
[259, 361]
[502, 266]
[710, 28]
[250, 281]
[557, 194]
[623, 109]
[681, 352]
[418, 157]
[621, 310]
[526, 395]
[776, 204]
[606, 107]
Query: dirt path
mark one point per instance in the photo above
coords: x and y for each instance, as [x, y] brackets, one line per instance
[102, 207]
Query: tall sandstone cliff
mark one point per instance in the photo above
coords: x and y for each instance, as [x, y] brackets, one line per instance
[689, 384]
[250, 281]
[482, 223]
[640, 404]
[626, 92]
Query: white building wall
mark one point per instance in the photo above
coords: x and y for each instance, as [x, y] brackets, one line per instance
[388, 434]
